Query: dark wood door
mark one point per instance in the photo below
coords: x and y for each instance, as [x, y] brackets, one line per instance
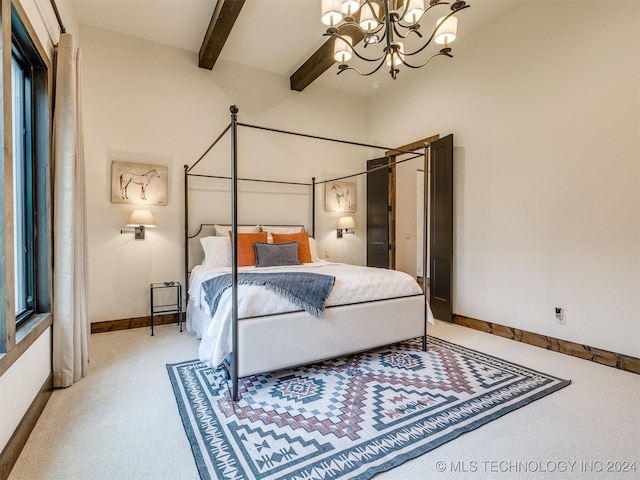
[441, 228]
[378, 214]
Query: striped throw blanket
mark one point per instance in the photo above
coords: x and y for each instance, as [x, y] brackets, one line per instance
[305, 290]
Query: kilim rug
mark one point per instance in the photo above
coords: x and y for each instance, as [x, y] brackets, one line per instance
[351, 417]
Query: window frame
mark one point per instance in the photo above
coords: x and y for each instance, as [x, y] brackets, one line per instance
[16, 338]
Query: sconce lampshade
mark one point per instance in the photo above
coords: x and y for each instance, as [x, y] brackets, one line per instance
[141, 218]
[346, 223]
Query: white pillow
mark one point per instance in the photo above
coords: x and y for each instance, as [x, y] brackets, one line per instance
[313, 248]
[280, 229]
[223, 230]
[217, 251]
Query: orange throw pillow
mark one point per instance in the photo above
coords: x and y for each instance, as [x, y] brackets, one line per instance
[304, 252]
[246, 252]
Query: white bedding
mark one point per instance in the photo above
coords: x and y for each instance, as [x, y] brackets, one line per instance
[353, 284]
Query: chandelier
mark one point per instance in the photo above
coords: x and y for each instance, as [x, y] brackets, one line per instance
[386, 26]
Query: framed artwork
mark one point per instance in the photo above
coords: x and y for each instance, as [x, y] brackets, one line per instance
[339, 197]
[139, 183]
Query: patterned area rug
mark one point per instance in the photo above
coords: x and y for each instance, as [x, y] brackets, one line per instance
[351, 417]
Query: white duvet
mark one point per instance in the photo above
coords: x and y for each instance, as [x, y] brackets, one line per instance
[352, 284]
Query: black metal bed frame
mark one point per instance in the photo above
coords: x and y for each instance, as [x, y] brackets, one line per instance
[233, 128]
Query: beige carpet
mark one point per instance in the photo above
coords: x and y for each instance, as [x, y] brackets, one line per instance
[121, 421]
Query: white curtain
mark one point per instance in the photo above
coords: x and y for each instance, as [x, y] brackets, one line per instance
[70, 276]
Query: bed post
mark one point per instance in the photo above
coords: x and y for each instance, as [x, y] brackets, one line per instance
[425, 224]
[186, 231]
[313, 207]
[235, 394]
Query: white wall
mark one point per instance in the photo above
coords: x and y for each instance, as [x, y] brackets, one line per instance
[149, 103]
[21, 383]
[546, 117]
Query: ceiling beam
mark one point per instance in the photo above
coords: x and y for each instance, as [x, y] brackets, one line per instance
[224, 16]
[320, 61]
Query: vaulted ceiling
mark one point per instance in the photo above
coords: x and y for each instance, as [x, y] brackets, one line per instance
[278, 36]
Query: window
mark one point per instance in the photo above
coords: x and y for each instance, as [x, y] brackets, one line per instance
[23, 205]
[25, 190]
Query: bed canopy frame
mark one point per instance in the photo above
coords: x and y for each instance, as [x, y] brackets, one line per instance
[232, 127]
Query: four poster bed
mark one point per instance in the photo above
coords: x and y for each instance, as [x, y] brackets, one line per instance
[252, 329]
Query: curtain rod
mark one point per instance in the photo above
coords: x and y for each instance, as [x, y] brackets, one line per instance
[58, 17]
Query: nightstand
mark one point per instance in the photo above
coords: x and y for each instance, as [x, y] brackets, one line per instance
[166, 297]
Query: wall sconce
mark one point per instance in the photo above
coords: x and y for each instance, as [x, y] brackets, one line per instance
[345, 224]
[140, 219]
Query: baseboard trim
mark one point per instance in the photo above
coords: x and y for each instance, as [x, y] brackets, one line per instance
[605, 357]
[11, 451]
[137, 322]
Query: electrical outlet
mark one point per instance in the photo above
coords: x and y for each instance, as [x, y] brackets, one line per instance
[326, 253]
[560, 317]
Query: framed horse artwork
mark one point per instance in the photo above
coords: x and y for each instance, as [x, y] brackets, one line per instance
[339, 196]
[138, 183]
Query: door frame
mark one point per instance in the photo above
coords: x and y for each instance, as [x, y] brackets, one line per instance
[413, 146]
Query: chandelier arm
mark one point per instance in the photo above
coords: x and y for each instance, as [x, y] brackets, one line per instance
[385, 34]
[387, 30]
[344, 67]
[352, 25]
[433, 34]
[398, 32]
[410, 30]
[337, 35]
[440, 53]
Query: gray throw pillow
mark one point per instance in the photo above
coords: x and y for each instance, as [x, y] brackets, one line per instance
[276, 254]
